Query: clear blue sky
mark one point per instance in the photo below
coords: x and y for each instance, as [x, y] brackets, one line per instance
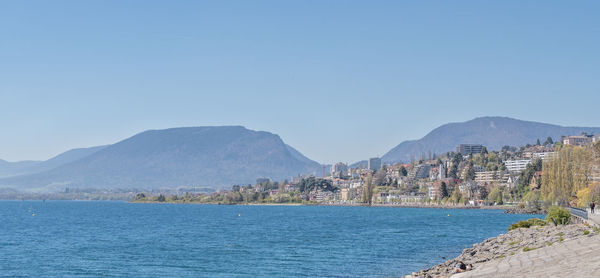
[338, 80]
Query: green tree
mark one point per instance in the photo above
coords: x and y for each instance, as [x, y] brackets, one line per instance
[367, 195]
[549, 141]
[483, 194]
[444, 190]
[403, 171]
[455, 195]
[470, 173]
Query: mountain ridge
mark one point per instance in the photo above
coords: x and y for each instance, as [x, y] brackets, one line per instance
[494, 132]
[215, 157]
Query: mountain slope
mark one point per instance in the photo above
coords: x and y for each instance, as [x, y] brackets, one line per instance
[214, 157]
[492, 132]
[9, 169]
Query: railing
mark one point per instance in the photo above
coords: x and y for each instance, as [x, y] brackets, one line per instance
[579, 212]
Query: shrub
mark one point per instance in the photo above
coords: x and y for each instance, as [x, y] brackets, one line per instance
[558, 215]
[586, 232]
[527, 249]
[527, 223]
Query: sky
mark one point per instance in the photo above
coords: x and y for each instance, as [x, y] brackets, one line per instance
[337, 80]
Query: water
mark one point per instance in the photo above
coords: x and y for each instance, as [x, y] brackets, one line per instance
[108, 239]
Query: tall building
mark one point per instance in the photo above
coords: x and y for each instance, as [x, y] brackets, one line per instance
[339, 170]
[467, 149]
[374, 163]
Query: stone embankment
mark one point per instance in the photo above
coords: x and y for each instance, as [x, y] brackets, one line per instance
[513, 243]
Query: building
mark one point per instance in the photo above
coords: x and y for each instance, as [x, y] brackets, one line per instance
[374, 163]
[467, 149]
[516, 166]
[420, 172]
[544, 156]
[578, 140]
[339, 170]
[491, 177]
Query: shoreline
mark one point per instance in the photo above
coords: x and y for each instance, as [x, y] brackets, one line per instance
[500, 207]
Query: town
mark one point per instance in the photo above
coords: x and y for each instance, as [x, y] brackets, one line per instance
[470, 176]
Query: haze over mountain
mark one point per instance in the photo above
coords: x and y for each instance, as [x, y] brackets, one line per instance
[211, 157]
[492, 132]
[9, 169]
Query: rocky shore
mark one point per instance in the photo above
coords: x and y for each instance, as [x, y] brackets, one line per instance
[525, 210]
[513, 242]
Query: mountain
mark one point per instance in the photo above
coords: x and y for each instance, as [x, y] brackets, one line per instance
[214, 157]
[492, 132]
[9, 169]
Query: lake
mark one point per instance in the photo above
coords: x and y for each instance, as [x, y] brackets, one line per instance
[118, 239]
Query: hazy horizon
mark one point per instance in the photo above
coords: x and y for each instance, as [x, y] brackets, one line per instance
[338, 80]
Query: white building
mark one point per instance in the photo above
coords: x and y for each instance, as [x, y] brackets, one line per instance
[516, 165]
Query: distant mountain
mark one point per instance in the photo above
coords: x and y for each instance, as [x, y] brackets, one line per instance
[214, 157]
[9, 169]
[492, 132]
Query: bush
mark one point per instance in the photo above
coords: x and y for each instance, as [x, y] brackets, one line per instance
[558, 215]
[527, 223]
[586, 232]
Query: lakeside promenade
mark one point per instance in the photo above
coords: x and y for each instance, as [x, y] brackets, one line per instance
[572, 258]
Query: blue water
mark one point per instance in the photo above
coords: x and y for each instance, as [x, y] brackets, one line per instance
[108, 239]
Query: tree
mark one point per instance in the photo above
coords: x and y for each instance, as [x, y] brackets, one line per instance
[308, 184]
[367, 195]
[566, 174]
[495, 195]
[484, 150]
[537, 143]
[470, 173]
[454, 171]
[403, 171]
[444, 191]
[483, 194]
[161, 198]
[455, 195]
[379, 177]
[548, 141]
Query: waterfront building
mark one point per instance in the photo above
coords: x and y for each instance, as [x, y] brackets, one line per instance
[516, 166]
[374, 163]
[467, 149]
